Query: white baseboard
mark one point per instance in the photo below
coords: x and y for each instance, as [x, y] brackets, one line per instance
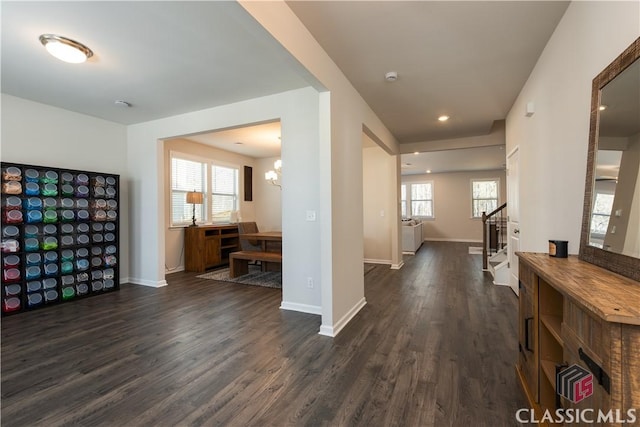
[304, 308]
[408, 253]
[175, 270]
[438, 239]
[397, 266]
[124, 280]
[144, 282]
[332, 331]
[377, 261]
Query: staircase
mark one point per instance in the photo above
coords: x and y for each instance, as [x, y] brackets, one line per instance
[498, 266]
[494, 246]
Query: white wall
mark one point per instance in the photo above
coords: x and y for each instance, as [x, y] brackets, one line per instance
[378, 189]
[174, 236]
[343, 113]
[267, 198]
[553, 142]
[299, 112]
[42, 135]
[452, 204]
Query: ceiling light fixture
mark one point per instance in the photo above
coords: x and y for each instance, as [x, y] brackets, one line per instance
[428, 170]
[121, 103]
[415, 153]
[65, 49]
[443, 118]
[602, 107]
[391, 76]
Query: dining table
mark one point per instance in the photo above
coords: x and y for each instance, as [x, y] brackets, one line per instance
[265, 237]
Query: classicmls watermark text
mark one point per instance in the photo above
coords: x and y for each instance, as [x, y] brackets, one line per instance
[583, 416]
[576, 384]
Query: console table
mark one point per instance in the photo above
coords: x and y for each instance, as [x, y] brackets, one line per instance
[575, 313]
[209, 246]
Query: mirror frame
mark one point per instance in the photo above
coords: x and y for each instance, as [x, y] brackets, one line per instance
[618, 263]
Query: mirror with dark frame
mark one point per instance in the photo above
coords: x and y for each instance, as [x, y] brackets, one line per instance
[611, 220]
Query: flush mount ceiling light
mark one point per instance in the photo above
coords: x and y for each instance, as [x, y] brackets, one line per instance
[602, 107]
[443, 118]
[65, 49]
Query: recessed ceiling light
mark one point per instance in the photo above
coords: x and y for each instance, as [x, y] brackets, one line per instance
[238, 143]
[443, 118]
[416, 153]
[602, 107]
[391, 76]
[65, 49]
[428, 170]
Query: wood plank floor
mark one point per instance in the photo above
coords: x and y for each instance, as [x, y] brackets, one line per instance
[435, 346]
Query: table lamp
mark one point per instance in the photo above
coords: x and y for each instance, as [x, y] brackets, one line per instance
[195, 198]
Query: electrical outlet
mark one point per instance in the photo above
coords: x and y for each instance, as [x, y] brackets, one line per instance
[311, 215]
[310, 282]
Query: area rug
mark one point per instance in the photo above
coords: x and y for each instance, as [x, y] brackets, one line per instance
[255, 277]
[475, 250]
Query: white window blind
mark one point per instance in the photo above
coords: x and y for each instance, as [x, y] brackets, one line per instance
[186, 176]
[484, 197]
[224, 189]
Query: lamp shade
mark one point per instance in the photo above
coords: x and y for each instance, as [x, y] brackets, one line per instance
[194, 197]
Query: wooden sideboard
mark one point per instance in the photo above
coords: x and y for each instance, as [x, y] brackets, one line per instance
[209, 246]
[572, 312]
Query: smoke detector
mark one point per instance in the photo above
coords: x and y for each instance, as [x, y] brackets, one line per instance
[391, 76]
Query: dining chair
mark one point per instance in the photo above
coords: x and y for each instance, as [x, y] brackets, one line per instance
[248, 244]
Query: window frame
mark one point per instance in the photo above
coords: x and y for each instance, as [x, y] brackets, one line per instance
[190, 158]
[207, 203]
[403, 201]
[472, 199]
[594, 214]
[236, 195]
[411, 200]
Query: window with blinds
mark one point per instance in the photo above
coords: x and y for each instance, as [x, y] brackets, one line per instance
[224, 192]
[186, 176]
[218, 183]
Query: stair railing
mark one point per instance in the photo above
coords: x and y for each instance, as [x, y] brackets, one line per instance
[494, 231]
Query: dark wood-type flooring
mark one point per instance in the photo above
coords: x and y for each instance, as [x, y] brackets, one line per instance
[435, 345]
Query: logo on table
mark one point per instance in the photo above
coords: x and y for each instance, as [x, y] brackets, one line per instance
[574, 383]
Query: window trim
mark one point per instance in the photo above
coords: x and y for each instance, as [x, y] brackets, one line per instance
[210, 193]
[471, 199]
[188, 157]
[410, 200]
[207, 205]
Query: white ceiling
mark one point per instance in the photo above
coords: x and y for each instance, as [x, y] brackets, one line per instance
[465, 59]
[259, 141]
[465, 159]
[165, 57]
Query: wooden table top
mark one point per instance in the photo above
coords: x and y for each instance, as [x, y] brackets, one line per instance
[263, 235]
[610, 296]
